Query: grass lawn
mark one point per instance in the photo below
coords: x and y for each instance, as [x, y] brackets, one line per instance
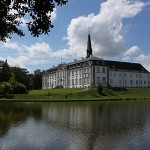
[85, 94]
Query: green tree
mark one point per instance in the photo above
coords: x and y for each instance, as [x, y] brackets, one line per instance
[100, 88]
[5, 72]
[108, 86]
[38, 12]
[21, 75]
[36, 79]
[19, 88]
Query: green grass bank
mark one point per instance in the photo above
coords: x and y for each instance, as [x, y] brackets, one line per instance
[83, 94]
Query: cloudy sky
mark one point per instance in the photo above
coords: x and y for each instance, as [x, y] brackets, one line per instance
[120, 30]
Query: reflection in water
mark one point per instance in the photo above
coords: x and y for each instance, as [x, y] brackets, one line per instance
[72, 126]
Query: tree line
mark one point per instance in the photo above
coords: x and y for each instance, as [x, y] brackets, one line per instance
[18, 80]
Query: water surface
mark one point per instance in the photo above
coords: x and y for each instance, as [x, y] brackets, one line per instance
[75, 126]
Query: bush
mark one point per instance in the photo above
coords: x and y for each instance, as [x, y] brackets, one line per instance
[100, 89]
[19, 88]
[108, 86]
[5, 88]
[59, 87]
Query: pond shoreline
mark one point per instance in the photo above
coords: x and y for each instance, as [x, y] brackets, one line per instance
[82, 100]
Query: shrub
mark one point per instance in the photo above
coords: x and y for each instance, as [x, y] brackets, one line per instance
[5, 88]
[108, 86]
[59, 87]
[19, 88]
[100, 88]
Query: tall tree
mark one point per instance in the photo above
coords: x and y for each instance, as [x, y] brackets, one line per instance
[5, 72]
[39, 11]
[21, 75]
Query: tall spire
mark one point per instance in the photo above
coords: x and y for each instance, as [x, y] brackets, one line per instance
[89, 46]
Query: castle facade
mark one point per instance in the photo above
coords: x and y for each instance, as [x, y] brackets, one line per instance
[91, 70]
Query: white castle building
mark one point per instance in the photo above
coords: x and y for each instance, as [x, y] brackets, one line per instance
[91, 71]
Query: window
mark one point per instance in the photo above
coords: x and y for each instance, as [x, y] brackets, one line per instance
[114, 74]
[76, 81]
[73, 82]
[131, 75]
[103, 70]
[87, 70]
[110, 74]
[141, 82]
[80, 72]
[131, 81]
[148, 82]
[125, 75]
[80, 81]
[137, 82]
[85, 80]
[140, 75]
[98, 80]
[72, 73]
[120, 81]
[144, 82]
[119, 74]
[104, 80]
[68, 73]
[125, 81]
[76, 72]
[98, 70]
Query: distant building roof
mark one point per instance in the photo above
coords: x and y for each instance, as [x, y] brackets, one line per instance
[125, 66]
[113, 65]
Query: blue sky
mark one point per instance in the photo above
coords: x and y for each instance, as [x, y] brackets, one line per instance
[120, 30]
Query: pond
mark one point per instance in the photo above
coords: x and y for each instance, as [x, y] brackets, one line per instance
[118, 125]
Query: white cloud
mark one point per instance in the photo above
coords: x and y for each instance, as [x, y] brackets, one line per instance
[19, 61]
[54, 15]
[106, 28]
[132, 51]
[145, 59]
[39, 50]
[12, 45]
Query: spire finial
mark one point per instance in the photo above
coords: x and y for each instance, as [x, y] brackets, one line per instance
[89, 46]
